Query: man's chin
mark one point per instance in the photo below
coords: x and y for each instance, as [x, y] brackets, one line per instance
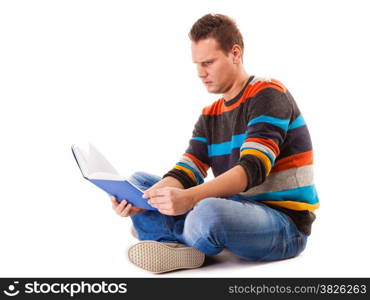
[212, 90]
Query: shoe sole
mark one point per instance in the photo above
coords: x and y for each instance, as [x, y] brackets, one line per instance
[157, 257]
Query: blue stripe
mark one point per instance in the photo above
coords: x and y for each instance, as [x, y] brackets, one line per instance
[227, 147]
[307, 194]
[282, 123]
[201, 139]
[237, 140]
[298, 122]
[199, 179]
[272, 160]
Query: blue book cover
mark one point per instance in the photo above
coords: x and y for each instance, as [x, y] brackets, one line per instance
[96, 169]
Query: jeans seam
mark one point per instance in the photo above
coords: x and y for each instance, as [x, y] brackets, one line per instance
[164, 221]
[197, 244]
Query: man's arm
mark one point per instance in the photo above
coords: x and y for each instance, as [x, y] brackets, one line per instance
[174, 201]
[269, 117]
[167, 182]
[191, 169]
[229, 183]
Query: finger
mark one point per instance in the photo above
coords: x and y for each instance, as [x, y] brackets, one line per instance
[161, 206]
[114, 202]
[154, 193]
[146, 194]
[126, 211]
[136, 208]
[167, 212]
[148, 190]
[158, 200]
[121, 206]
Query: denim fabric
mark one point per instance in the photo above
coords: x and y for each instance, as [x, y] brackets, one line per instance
[249, 229]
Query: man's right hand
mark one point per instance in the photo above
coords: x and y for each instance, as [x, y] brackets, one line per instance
[125, 209]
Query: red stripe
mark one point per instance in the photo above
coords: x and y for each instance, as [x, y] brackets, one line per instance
[201, 164]
[218, 107]
[294, 161]
[214, 109]
[260, 85]
[266, 142]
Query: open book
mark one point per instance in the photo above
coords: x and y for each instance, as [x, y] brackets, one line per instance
[95, 168]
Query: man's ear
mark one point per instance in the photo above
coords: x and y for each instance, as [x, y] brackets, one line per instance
[236, 52]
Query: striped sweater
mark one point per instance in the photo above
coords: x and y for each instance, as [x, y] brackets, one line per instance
[262, 130]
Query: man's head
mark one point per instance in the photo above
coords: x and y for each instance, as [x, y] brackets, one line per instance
[217, 49]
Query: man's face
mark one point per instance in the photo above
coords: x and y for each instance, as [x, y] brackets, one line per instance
[215, 69]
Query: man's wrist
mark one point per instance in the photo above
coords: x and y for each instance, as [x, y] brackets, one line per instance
[193, 196]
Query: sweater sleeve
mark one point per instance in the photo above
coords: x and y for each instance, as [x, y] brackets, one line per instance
[268, 118]
[192, 167]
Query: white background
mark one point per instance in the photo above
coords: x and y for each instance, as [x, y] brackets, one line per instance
[120, 74]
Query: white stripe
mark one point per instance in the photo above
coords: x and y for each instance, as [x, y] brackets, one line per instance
[256, 79]
[188, 161]
[283, 180]
[259, 147]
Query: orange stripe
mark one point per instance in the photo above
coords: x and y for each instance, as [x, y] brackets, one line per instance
[214, 109]
[199, 163]
[253, 89]
[218, 107]
[262, 156]
[260, 85]
[187, 171]
[266, 142]
[241, 100]
[295, 205]
[294, 161]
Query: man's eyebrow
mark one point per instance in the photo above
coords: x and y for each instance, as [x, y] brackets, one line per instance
[205, 61]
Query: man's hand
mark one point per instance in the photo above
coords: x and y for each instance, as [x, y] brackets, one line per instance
[170, 200]
[125, 210]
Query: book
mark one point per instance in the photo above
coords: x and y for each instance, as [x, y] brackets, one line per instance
[97, 169]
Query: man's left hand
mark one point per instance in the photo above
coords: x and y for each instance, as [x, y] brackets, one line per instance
[170, 200]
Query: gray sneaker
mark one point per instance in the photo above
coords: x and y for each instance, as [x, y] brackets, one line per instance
[158, 257]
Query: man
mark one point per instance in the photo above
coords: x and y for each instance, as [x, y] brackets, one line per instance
[260, 205]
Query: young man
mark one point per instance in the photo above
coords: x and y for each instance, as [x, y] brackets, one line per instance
[260, 205]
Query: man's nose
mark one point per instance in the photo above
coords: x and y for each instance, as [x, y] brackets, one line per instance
[202, 72]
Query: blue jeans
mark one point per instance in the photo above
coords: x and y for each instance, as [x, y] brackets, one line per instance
[249, 229]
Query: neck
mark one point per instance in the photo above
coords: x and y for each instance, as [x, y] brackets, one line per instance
[236, 86]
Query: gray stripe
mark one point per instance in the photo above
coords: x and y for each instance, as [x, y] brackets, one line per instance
[256, 79]
[188, 161]
[259, 147]
[284, 180]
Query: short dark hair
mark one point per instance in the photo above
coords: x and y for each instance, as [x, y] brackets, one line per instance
[220, 27]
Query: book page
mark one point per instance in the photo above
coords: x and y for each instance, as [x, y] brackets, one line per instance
[82, 161]
[106, 176]
[97, 163]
